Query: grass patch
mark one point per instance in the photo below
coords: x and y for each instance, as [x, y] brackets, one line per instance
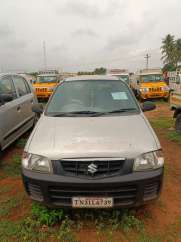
[20, 143]
[45, 215]
[162, 123]
[5, 189]
[174, 136]
[25, 230]
[149, 238]
[39, 226]
[8, 229]
[6, 205]
[129, 222]
[11, 168]
[65, 233]
[166, 124]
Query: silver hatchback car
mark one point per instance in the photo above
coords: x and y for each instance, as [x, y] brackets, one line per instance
[93, 148]
[16, 100]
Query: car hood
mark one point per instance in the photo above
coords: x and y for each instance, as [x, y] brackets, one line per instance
[84, 137]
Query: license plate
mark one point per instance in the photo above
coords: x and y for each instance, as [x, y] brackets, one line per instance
[88, 202]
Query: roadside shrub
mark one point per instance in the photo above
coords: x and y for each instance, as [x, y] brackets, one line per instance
[129, 221]
[65, 233]
[46, 215]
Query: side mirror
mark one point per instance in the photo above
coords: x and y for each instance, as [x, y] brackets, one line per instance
[37, 108]
[148, 106]
[6, 98]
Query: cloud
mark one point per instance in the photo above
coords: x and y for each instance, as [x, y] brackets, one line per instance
[9, 40]
[85, 32]
[131, 35]
[90, 9]
[5, 31]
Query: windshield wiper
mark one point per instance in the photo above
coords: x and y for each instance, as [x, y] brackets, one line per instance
[91, 113]
[62, 114]
[116, 111]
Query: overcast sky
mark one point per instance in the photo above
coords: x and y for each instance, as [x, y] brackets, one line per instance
[84, 34]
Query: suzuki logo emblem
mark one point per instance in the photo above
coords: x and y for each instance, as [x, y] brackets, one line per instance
[92, 168]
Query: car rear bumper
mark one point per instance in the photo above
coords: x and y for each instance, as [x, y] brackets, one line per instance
[127, 191]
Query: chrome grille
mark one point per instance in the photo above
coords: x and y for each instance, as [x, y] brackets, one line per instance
[93, 169]
[155, 89]
[43, 89]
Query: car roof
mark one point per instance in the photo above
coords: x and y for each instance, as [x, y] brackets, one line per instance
[43, 75]
[8, 73]
[91, 77]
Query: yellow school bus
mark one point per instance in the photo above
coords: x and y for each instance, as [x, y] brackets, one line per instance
[45, 84]
[149, 84]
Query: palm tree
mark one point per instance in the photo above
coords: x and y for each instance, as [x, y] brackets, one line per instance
[169, 50]
[178, 50]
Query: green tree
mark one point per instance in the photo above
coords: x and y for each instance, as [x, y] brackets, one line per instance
[168, 50]
[178, 50]
[100, 71]
[168, 67]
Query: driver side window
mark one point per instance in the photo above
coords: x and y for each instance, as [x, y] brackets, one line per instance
[6, 86]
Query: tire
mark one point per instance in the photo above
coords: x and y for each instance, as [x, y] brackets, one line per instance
[1, 154]
[178, 123]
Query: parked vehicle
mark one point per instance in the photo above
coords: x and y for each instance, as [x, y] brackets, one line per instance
[46, 83]
[16, 100]
[174, 78]
[175, 97]
[149, 84]
[120, 73]
[99, 150]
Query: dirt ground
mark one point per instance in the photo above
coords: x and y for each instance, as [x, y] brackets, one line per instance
[160, 217]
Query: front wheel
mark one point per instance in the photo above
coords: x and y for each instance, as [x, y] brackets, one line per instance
[178, 123]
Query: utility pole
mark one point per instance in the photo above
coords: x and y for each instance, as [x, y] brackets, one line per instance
[44, 55]
[147, 60]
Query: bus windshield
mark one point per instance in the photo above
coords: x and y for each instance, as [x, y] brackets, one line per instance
[47, 79]
[151, 78]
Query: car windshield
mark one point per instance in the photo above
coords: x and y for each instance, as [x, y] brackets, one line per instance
[90, 97]
[47, 79]
[125, 78]
[151, 78]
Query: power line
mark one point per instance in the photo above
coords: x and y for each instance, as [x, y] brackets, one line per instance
[147, 60]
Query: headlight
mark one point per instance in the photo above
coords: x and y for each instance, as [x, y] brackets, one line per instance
[149, 161]
[144, 89]
[36, 163]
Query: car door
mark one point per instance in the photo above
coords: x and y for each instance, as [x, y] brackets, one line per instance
[9, 116]
[25, 102]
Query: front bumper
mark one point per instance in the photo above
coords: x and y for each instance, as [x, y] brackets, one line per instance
[128, 190]
[155, 95]
[43, 94]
